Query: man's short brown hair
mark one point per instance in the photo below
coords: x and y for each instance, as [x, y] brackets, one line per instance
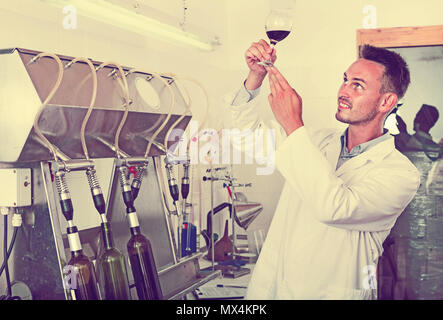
[396, 77]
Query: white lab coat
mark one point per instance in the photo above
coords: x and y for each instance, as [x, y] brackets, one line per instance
[329, 226]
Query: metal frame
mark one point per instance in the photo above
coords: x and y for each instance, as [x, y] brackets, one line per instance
[54, 215]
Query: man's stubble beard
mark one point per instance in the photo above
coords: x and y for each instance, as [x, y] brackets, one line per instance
[367, 118]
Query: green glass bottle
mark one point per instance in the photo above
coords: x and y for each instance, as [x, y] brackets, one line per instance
[83, 281]
[113, 277]
[143, 266]
[139, 248]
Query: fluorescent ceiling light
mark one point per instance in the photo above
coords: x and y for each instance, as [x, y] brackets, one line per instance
[109, 13]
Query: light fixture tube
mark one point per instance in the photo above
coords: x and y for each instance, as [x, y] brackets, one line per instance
[106, 12]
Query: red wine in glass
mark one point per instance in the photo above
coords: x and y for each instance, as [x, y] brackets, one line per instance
[277, 35]
[278, 26]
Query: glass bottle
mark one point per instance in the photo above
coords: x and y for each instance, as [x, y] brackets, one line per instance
[143, 266]
[113, 278]
[83, 279]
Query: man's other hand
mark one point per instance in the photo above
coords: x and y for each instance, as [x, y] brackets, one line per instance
[285, 102]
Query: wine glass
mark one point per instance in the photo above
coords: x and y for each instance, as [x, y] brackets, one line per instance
[278, 26]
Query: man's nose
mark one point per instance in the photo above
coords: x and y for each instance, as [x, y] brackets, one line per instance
[343, 91]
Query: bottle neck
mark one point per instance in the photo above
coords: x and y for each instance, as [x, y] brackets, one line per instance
[74, 240]
[135, 231]
[77, 253]
[132, 218]
[108, 242]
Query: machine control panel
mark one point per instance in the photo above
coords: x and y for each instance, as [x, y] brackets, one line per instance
[16, 187]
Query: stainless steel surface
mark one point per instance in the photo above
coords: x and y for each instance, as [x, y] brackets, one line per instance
[246, 212]
[196, 284]
[25, 86]
[53, 209]
[184, 277]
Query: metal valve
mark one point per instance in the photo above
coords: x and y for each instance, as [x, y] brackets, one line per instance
[172, 182]
[96, 191]
[65, 196]
[137, 181]
[126, 189]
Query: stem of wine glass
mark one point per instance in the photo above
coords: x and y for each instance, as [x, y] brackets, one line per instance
[273, 44]
[268, 62]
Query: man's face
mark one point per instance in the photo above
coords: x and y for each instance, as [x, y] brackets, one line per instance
[359, 95]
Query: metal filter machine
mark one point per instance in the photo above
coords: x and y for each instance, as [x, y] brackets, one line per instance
[41, 250]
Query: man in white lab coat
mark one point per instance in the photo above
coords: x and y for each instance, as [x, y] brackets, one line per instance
[343, 190]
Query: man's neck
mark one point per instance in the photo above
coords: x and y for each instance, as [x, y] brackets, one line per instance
[357, 135]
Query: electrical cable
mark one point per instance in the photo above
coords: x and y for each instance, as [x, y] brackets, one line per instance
[48, 98]
[11, 246]
[16, 223]
[91, 105]
[5, 254]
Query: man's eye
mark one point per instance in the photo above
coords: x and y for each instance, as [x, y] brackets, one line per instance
[358, 86]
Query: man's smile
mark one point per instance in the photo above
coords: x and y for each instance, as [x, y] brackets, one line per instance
[343, 104]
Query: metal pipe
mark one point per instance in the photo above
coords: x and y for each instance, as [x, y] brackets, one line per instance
[73, 165]
[132, 161]
[212, 219]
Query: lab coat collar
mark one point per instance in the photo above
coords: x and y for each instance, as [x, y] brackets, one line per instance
[332, 149]
[375, 154]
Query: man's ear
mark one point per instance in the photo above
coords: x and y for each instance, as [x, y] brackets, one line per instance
[388, 102]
